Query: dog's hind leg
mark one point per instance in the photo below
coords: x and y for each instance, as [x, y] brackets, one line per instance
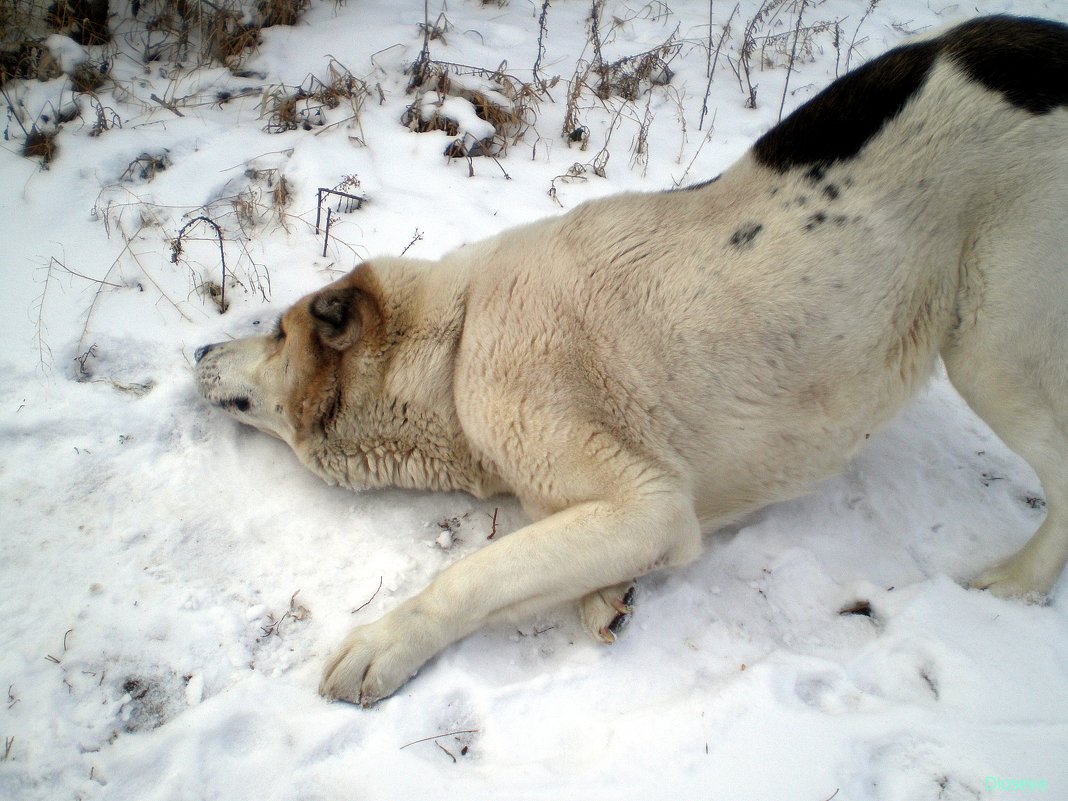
[1010, 363]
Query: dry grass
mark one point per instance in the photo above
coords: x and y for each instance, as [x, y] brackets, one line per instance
[505, 102]
[308, 106]
[40, 144]
[223, 31]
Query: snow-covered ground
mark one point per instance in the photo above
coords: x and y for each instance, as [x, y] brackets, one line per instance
[172, 582]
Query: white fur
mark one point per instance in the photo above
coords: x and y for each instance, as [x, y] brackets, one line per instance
[635, 378]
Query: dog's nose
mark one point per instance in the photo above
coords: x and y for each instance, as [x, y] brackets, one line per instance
[202, 351]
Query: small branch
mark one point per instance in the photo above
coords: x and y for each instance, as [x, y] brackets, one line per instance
[715, 60]
[152, 280]
[324, 192]
[14, 112]
[852, 42]
[793, 56]
[42, 346]
[368, 601]
[169, 106]
[418, 237]
[439, 736]
[326, 234]
[493, 523]
[542, 29]
[77, 274]
[176, 251]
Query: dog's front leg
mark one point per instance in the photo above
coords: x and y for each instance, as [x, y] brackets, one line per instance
[563, 557]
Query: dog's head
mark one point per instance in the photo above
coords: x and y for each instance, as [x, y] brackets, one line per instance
[287, 383]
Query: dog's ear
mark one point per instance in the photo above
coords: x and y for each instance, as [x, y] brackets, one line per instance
[339, 315]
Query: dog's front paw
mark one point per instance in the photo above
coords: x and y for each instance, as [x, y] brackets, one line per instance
[371, 664]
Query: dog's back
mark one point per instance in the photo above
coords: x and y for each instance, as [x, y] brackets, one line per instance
[797, 302]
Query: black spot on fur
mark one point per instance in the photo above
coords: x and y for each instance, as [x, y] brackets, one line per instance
[1024, 59]
[816, 173]
[744, 236]
[815, 221]
[831, 192]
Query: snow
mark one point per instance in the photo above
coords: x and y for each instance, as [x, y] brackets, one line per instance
[173, 582]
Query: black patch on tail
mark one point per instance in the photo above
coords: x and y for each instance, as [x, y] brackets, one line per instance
[1024, 59]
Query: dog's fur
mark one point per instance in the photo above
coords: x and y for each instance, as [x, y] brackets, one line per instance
[651, 365]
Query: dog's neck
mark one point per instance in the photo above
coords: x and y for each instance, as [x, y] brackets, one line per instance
[408, 433]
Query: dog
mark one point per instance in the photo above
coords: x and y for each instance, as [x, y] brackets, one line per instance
[649, 366]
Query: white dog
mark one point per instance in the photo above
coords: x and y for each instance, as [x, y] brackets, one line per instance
[651, 365]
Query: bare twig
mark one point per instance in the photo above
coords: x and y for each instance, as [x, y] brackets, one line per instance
[326, 232]
[272, 625]
[493, 523]
[368, 601]
[167, 105]
[542, 29]
[793, 55]
[447, 751]
[77, 274]
[152, 280]
[852, 42]
[439, 736]
[42, 346]
[715, 60]
[176, 251]
[343, 196]
[418, 237]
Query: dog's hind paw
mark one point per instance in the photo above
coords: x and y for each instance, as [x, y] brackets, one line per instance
[1014, 578]
[605, 613]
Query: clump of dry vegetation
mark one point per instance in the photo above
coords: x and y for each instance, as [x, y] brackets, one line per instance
[308, 106]
[486, 110]
[186, 33]
[450, 96]
[223, 31]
